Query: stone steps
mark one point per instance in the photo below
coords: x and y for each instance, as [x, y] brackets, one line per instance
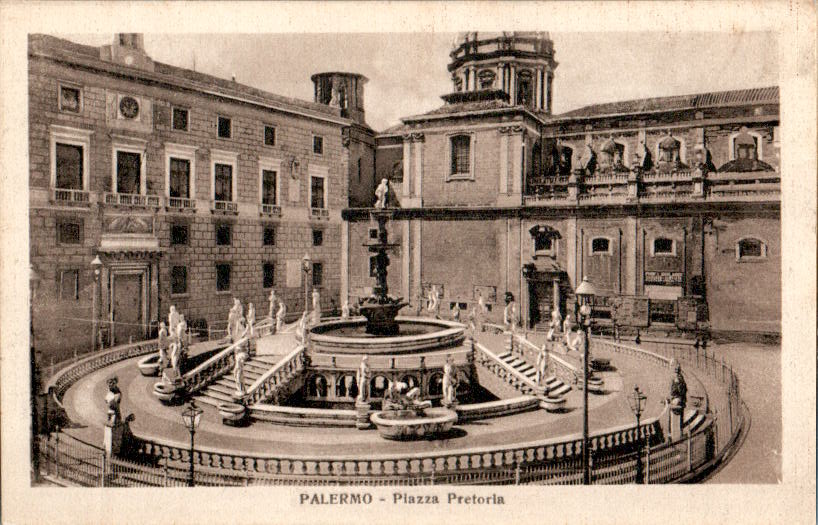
[555, 387]
[222, 389]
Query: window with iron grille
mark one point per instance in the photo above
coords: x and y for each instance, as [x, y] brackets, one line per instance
[318, 145]
[180, 119]
[269, 136]
[748, 249]
[268, 187]
[663, 246]
[600, 245]
[178, 280]
[223, 183]
[269, 271]
[317, 194]
[317, 237]
[179, 178]
[225, 128]
[269, 237]
[222, 277]
[224, 233]
[461, 149]
[317, 274]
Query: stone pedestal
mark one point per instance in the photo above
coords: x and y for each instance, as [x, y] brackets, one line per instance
[676, 419]
[362, 415]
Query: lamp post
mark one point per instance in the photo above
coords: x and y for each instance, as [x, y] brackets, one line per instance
[585, 293]
[192, 415]
[96, 265]
[637, 402]
[33, 284]
[306, 266]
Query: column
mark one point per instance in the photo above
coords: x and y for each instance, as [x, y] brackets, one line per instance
[503, 182]
[416, 231]
[517, 160]
[404, 262]
[407, 175]
[344, 261]
[555, 284]
[500, 81]
[571, 251]
[512, 84]
[475, 87]
[538, 87]
[418, 154]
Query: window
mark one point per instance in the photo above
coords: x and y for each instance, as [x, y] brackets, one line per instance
[224, 232]
[178, 234]
[373, 233]
[269, 237]
[70, 285]
[750, 249]
[524, 95]
[318, 145]
[179, 178]
[746, 145]
[225, 126]
[613, 155]
[222, 277]
[269, 271]
[460, 154]
[223, 182]
[268, 187]
[669, 151]
[180, 120]
[128, 172]
[543, 244]
[600, 246]
[69, 164]
[373, 266]
[663, 246]
[317, 192]
[269, 136]
[178, 280]
[70, 99]
[317, 274]
[69, 232]
[317, 237]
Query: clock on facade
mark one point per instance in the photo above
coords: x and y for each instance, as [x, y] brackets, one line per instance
[129, 107]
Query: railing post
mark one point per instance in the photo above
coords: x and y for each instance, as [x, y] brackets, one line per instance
[104, 464]
[689, 452]
[57, 453]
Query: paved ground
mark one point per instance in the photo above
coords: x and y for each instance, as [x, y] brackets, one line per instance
[85, 404]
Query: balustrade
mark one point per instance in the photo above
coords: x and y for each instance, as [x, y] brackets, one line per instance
[132, 199]
[65, 196]
[227, 206]
[271, 382]
[213, 368]
[181, 203]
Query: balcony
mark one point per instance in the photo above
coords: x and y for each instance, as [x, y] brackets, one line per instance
[319, 213]
[269, 210]
[181, 204]
[70, 197]
[133, 200]
[225, 207]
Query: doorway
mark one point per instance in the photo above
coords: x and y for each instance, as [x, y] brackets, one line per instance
[128, 305]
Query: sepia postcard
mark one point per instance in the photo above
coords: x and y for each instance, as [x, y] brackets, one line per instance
[461, 262]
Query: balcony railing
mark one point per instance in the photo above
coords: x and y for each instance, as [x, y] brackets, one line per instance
[272, 210]
[132, 199]
[64, 196]
[319, 213]
[181, 203]
[227, 206]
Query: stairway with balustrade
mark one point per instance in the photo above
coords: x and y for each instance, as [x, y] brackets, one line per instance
[554, 386]
[222, 389]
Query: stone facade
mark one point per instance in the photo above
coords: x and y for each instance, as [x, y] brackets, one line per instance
[114, 101]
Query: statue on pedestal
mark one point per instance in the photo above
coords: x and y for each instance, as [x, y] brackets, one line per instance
[556, 320]
[181, 333]
[238, 372]
[362, 377]
[510, 313]
[113, 399]
[567, 327]
[251, 320]
[303, 323]
[316, 306]
[455, 312]
[176, 357]
[542, 363]
[117, 439]
[382, 194]
[232, 319]
[449, 396]
[433, 302]
[678, 388]
[173, 319]
[345, 310]
[281, 314]
[163, 341]
[272, 304]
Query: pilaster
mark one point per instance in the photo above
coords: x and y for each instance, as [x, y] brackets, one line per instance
[344, 261]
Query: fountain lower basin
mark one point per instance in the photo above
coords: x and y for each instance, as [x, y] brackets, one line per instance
[405, 424]
[348, 336]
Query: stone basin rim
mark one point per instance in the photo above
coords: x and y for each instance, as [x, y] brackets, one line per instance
[434, 415]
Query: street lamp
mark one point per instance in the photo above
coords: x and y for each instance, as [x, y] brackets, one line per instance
[192, 415]
[637, 402]
[306, 266]
[585, 293]
[33, 284]
[96, 265]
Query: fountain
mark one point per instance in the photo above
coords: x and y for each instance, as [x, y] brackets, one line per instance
[404, 416]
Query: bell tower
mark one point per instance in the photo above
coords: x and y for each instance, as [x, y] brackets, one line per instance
[128, 49]
[342, 90]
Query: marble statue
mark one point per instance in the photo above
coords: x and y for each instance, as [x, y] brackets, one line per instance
[362, 378]
[448, 382]
[345, 310]
[232, 319]
[251, 320]
[481, 303]
[272, 304]
[587, 161]
[510, 315]
[113, 399]
[316, 306]
[176, 357]
[163, 341]
[303, 323]
[567, 327]
[678, 388]
[241, 330]
[542, 363]
[382, 194]
[181, 333]
[455, 312]
[281, 314]
[554, 325]
[238, 372]
[173, 320]
[472, 321]
[433, 303]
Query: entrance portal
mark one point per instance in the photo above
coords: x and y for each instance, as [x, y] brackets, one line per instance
[128, 306]
[544, 295]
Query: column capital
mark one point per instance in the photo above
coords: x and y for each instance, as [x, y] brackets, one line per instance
[413, 137]
[511, 129]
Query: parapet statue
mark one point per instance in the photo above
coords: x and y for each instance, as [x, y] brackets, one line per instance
[251, 320]
[316, 306]
[362, 377]
[173, 320]
[433, 301]
[678, 388]
[345, 310]
[281, 314]
[382, 194]
[238, 372]
[449, 396]
[164, 341]
[272, 304]
[542, 363]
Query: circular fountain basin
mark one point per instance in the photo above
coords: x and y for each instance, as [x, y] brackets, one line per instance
[405, 424]
[348, 336]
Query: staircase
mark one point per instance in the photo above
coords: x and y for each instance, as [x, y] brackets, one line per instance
[222, 390]
[554, 386]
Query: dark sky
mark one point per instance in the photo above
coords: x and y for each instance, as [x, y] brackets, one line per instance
[407, 71]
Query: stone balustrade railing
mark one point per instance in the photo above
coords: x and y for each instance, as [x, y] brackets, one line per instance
[213, 368]
[270, 384]
[489, 360]
[629, 350]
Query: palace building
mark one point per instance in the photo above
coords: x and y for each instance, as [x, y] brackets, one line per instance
[190, 189]
[152, 185]
[669, 205]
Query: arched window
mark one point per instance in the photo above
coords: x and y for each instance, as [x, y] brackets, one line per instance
[410, 381]
[524, 91]
[612, 156]
[566, 154]
[750, 248]
[486, 78]
[669, 150]
[377, 386]
[436, 385]
[461, 156]
[317, 386]
[346, 386]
